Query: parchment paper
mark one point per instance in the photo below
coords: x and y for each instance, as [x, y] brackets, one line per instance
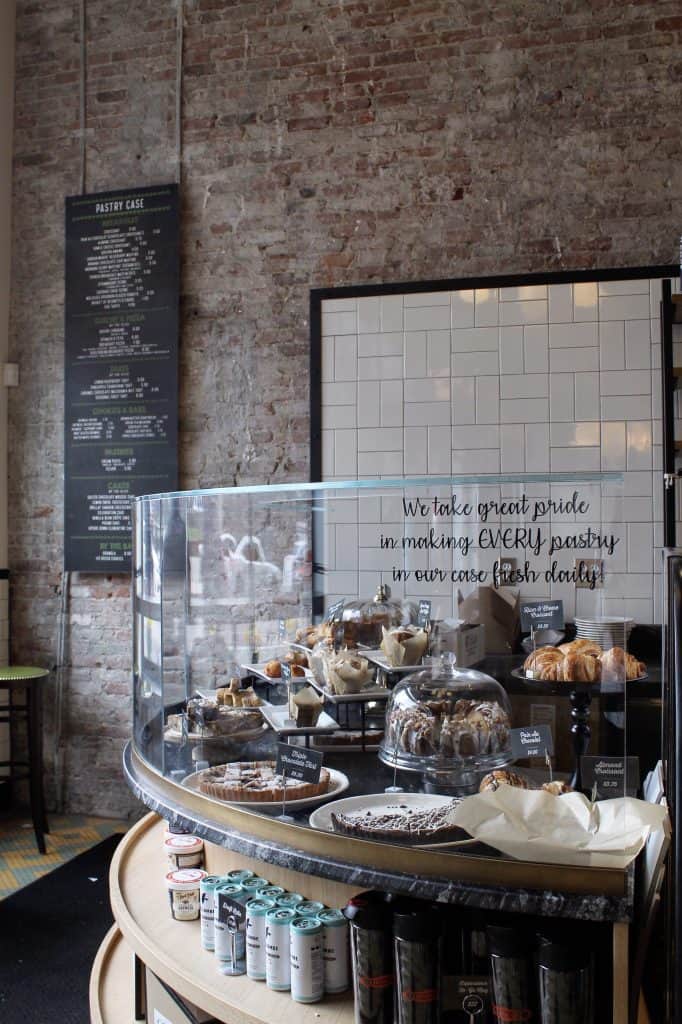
[537, 826]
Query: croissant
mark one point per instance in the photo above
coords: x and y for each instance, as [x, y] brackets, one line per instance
[541, 658]
[502, 777]
[580, 668]
[581, 646]
[617, 666]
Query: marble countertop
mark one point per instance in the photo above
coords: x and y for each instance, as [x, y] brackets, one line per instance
[588, 907]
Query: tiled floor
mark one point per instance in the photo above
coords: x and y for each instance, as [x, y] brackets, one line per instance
[20, 862]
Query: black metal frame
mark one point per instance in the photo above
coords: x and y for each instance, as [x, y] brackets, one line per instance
[318, 295]
[668, 411]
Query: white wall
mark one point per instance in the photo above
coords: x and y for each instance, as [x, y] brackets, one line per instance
[537, 379]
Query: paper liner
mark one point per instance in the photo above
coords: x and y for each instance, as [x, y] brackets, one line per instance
[537, 826]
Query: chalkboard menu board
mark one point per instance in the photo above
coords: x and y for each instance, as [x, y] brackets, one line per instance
[121, 367]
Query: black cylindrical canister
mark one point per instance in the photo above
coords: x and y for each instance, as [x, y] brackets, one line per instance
[511, 972]
[370, 943]
[417, 960]
[565, 984]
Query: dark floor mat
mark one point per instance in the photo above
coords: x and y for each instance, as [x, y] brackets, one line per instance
[49, 935]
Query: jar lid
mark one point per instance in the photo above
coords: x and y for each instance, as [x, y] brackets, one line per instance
[332, 918]
[556, 957]
[369, 914]
[185, 879]
[419, 926]
[306, 925]
[509, 940]
[183, 844]
[281, 915]
[258, 907]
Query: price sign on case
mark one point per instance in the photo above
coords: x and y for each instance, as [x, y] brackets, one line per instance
[531, 741]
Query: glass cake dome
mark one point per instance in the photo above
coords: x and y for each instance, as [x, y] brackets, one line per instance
[447, 723]
[363, 620]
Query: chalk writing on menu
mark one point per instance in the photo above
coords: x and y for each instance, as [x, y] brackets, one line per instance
[121, 372]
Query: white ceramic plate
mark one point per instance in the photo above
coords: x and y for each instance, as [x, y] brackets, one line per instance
[379, 659]
[175, 736]
[259, 670]
[379, 803]
[338, 783]
[278, 717]
[374, 693]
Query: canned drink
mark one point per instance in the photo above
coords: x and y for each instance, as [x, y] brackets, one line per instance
[290, 900]
[254, 885]
[307, 966]
[309, 908]
[278, 948]
[222, 933]
[335, 952]
[271, 892]
[256, 909]
[237, 876]
[208, 887]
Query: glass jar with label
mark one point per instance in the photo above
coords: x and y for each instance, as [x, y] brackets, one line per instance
[184, 893]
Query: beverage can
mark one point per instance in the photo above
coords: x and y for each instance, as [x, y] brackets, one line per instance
[307, 967]
[335, 952]
[256, 909]
[208, 887]
[278, 948]
[254, 885]
[290, 900]
[309, 908]
[271, 892]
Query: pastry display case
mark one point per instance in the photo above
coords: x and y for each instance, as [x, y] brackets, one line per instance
[424, 647]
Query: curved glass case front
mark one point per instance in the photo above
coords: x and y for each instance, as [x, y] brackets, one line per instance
[234, 588]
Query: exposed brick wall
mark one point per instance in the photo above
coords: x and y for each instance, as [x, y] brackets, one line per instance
[325, 143]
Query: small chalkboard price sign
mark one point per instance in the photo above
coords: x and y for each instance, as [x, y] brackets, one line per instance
[531, 741]
[298, 763]
[608, 777]
[424, 614]
[541, 615]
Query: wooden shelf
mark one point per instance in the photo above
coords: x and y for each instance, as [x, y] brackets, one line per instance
[172, 949]
[112, 998]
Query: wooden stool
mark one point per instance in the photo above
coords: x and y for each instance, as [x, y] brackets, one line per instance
[19, 677]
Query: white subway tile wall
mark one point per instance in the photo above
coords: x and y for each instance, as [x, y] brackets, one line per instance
[539, 378]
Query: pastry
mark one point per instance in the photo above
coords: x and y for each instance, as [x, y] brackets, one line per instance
[538, 664]
[617, 666]
[273, 669]
[557, 787]
[346, 672]
[502, 777]
[205, 718]
[404, 646]
[468, 729]
[311, 635]
[233, 696]
[307, 705]
[401, 823]
[296, 658]
[257, 781]
[297, 671]
[580, 668]
[581, 646]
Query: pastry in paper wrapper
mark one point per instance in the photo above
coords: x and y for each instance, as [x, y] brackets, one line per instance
[347, 672]
[403, 646]
[535, 826]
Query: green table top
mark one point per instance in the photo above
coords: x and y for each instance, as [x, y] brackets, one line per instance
[13, 673]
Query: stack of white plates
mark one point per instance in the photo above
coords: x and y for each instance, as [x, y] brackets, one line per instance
[606, 630]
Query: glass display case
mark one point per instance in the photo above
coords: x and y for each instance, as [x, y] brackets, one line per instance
[519, 585]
